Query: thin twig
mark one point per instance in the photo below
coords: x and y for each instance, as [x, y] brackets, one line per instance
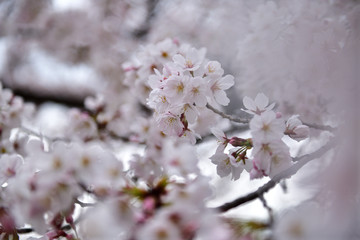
[42, 136]
[301, 161]
[231, 118]
[268, 208]
[82, 204]
[246, 121]
[234, 129]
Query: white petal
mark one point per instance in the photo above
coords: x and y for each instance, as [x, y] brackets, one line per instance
[179, 60]
[271, 106]
[223, 170]
[226, 82]
[221, 98]
[218, 133]
[200, 101]
[236, 173]
[261, 100]
[190, 115]
[154, 81]
[249, 103]
[256, 123]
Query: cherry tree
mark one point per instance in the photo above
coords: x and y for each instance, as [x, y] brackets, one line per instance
[161, 104]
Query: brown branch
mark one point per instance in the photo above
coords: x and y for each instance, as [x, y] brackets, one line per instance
[231, 118]
[301, 161]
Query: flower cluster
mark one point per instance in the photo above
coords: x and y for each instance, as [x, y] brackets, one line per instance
[180, 93]
[143, 64]
[270, 154]
[235, 161]
[45, 184]
[166, 210]
[13, 113]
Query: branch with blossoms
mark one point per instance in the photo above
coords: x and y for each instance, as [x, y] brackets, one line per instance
[162, 192]
[246, 121]
[300, 162]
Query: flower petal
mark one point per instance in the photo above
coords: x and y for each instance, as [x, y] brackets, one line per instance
[221, 98]
[261, 100]
[249, 103]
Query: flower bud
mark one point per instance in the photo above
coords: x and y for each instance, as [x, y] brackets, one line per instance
[237, 142]
[295, 129]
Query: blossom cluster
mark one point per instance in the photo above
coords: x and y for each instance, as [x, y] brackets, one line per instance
[13, 114]
[43, 187]
[43, 184]
[270, 154]
[186, 84]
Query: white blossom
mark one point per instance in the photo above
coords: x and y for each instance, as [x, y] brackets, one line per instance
[257, 106]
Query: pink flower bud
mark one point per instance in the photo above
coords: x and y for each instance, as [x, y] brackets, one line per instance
[149, 204]
[237, 142]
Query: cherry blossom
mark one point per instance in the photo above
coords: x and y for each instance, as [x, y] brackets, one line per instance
[227, 165]
[9, 167]
[217, 87]
[258, 105]
[222, 139]
[191, 60]
[271, 158]
[266, 126]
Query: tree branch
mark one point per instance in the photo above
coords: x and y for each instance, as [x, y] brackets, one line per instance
[231, 118]
[301, 161]
[246, 121]
[42, 97]
[268, 208]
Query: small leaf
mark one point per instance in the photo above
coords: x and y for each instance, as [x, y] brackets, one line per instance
[135, 192]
